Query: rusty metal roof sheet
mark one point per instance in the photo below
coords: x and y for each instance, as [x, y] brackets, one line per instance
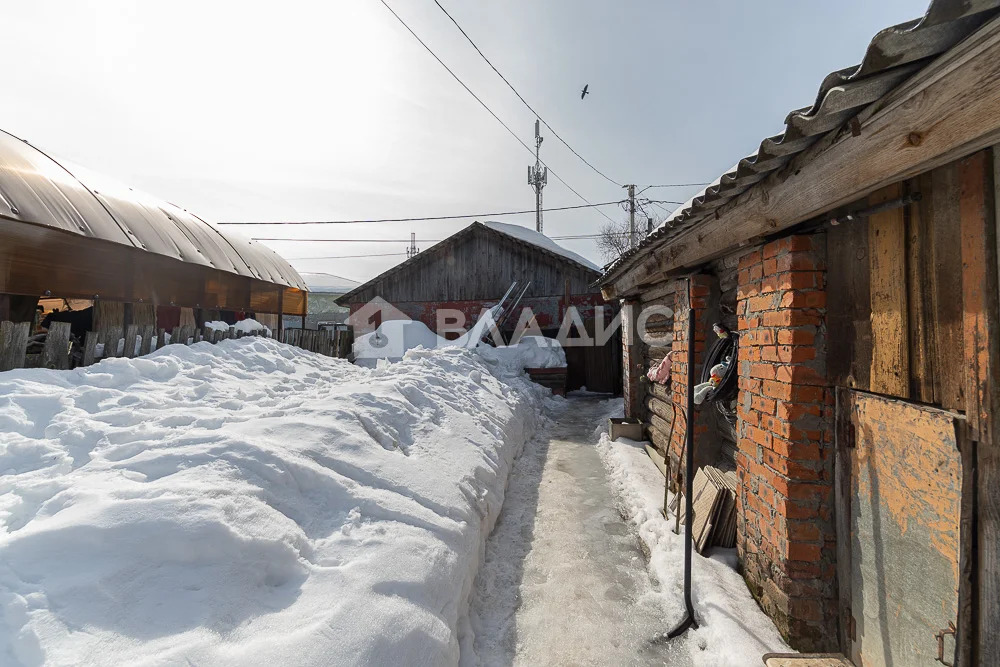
[34, 188]
[893, 55]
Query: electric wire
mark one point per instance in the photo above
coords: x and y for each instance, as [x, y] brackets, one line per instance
[422, 219]
[521, 97]
[483, 104]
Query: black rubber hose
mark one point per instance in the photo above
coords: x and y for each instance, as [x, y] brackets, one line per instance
[724, 346]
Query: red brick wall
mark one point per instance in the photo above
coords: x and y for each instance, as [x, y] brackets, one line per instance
[785, 535]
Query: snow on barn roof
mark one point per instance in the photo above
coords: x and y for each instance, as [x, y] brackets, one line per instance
[38, 190]
[893, 56]
[540, 240]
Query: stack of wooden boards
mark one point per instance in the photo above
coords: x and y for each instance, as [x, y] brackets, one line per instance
[714, 494]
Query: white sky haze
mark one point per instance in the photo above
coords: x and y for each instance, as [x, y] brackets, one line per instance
[331, 110]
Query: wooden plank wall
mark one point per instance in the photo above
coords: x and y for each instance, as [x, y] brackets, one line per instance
[659, 408]
[482, 265]
[895, 292]
[913, 314]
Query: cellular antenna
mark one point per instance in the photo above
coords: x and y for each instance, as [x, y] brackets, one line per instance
[538, 177]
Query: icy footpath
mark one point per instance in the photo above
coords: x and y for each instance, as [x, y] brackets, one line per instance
[733, 629]
[250, 503]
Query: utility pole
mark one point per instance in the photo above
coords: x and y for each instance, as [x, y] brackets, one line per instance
[538, 177]
[413, 249]
[631, 216]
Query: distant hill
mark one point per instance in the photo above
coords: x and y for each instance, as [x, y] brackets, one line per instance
[327, 282]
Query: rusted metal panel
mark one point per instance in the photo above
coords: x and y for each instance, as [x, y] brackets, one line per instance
[905, 515]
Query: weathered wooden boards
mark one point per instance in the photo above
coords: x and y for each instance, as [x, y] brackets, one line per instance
[906, 291]
[337, 343]
[13, 345]
[56, 352]
[714, 520]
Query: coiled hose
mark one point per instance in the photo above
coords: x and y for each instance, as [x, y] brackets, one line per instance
[724, 347]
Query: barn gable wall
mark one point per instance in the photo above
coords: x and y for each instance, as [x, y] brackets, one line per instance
[481, 265]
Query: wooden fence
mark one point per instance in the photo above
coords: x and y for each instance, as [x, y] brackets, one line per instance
[331, 343]
[58, 350]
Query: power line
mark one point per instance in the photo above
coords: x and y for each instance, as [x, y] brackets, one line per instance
[520, 97]
[314, 240]
[388, 254]
[483, 104]
[439, 217]
[675, 185]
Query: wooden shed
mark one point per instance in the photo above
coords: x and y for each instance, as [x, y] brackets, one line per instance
[855, 257]
[68, 233]
[473, 268]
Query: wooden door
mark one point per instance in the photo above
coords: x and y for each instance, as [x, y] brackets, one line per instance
[900, 509]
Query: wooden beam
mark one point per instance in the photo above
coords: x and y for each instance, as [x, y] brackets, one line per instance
[890, 367]
[944, 112]
[982, 320]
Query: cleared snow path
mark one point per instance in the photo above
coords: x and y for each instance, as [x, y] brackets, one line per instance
[564, 581]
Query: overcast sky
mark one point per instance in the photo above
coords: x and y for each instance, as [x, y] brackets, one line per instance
[331, 110]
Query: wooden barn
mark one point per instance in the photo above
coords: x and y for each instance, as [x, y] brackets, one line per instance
[473, 268]
[855, 259]
[120, 259]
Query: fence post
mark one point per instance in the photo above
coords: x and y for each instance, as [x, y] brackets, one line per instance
[13, 345]
[148, 332]
[131, 332]
[111, 340]
[89, 348]
[55, 354]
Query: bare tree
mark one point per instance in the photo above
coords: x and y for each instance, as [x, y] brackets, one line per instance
[613, 241]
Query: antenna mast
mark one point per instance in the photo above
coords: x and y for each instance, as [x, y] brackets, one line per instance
[538, 177]
[413, 249]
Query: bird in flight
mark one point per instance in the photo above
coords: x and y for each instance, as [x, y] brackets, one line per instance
[584, 93]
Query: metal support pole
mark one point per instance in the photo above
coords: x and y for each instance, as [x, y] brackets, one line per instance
[538, 177]
[689, 620]
[631, 216]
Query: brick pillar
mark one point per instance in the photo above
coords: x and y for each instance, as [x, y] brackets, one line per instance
[633, 366]
[785, 534]
[701, 289]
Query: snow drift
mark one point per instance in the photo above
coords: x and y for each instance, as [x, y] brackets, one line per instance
[250, 503]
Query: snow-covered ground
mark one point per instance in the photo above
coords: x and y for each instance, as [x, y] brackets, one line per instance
[250, 503]
[733, 629]
[564, 581]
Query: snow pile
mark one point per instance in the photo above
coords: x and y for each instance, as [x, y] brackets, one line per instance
[396, 337]
[530, 352]
[249, 325]
[250, 503]
[733, 630]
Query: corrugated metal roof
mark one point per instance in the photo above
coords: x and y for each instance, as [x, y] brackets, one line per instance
[893, 55]
[34, 188]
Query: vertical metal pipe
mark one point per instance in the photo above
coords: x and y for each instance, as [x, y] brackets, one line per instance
[689, 620]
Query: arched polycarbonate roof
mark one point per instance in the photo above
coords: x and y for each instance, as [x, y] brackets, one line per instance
[36, 189]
